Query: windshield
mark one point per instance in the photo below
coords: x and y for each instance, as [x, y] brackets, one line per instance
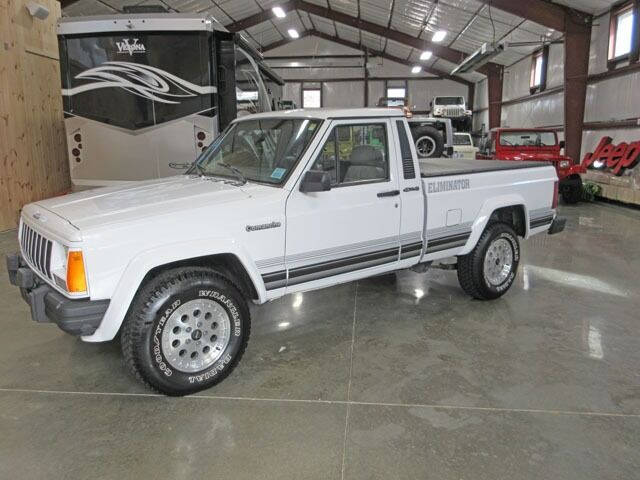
[461, 139]
[528, 139]
[449, 101]
[265, 150]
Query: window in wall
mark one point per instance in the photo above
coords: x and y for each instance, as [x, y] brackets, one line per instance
[354, 154]
[396, 92]
[621, 32]
[538, 80]
[312, 98]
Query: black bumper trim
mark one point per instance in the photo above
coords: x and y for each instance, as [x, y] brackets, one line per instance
[77, 317]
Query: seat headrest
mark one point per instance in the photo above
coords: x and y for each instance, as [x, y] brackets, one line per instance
[365, 155]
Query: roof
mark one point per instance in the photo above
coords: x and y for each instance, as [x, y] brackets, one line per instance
[326, 113]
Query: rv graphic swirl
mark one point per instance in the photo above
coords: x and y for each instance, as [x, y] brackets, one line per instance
[142, 80]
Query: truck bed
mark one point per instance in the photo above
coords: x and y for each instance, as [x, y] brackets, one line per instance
[442, 167]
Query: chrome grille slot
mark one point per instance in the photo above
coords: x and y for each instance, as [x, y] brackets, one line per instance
[37, 250]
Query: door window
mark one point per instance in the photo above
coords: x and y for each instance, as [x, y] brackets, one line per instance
[355, 154]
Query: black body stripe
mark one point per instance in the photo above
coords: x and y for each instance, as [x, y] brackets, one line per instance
[540, 221]
[343, 262]
[316, 271]
[445, 243]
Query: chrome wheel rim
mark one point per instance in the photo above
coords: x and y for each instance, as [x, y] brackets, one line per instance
[425, 146]
[498, 262]
[196, 335]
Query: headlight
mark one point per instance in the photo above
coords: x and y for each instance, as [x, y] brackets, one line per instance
[564, 164]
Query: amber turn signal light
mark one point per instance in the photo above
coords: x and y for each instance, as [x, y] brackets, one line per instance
[76, 280]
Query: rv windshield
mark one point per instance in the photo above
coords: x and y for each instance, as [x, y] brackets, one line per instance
[264, 151]
[449, 101]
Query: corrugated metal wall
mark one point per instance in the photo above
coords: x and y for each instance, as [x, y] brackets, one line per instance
[421, 88]
[610, 99]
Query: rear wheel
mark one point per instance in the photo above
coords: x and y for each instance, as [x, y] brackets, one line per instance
[186, 330]
[489, 270]
[428, 141]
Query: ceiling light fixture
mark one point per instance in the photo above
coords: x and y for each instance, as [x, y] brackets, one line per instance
[416, 69]
[426, 55]
[293, 33]
[279, 12]
[438, 36]
[480, 57]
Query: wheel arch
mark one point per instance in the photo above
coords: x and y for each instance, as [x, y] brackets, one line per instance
[229, 257]
[510, 209]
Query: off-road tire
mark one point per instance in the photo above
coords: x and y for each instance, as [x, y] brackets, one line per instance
[471, 267]
[572, 195]
[420, 132]
[150, 312]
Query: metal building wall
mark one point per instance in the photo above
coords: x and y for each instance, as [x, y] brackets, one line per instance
[546, 111]
[612, 99]
[481, 106]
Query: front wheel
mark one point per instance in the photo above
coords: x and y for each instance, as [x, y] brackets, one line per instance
[186, 330]
[488, 271]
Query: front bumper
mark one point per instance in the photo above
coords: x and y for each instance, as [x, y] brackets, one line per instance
[77, 317]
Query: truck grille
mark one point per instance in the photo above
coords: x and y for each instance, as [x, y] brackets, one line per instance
[36, 249]
[453, 111]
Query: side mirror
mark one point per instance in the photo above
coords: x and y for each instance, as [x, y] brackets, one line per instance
[561, 144]
[315, 181]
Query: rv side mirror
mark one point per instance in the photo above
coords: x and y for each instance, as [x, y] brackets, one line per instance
[315, 181]
[562, 144]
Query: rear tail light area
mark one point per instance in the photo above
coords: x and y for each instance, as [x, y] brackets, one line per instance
[556, 186]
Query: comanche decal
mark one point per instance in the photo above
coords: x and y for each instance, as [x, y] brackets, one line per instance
[263, 226]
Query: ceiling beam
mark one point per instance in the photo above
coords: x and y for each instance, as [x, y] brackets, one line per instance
[258, 18]
[542, 12]
[442, 51]
[372, 53]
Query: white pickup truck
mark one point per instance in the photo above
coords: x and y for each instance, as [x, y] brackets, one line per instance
[281, 202]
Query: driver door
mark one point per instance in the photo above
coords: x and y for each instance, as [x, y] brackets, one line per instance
[352, 230]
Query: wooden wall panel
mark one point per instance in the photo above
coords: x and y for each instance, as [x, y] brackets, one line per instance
[33, 153]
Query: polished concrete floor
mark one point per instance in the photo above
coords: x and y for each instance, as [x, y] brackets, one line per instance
[396, 377]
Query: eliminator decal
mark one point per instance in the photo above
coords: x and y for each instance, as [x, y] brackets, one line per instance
[142, 80]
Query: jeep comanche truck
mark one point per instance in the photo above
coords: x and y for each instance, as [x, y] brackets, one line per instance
[275, 205]
[540, 145]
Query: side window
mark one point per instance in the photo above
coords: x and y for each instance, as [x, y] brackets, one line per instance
[355, 153]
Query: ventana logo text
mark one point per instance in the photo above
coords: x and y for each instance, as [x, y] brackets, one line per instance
[130, 46]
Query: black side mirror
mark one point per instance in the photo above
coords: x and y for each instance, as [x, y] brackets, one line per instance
[562, 144]
[315, 181]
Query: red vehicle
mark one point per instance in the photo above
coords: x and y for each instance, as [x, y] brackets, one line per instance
[535, 144]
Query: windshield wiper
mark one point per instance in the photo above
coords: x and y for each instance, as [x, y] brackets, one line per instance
[198, 168]
[236, 172]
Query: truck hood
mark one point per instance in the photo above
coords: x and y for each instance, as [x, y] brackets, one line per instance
[141, 200]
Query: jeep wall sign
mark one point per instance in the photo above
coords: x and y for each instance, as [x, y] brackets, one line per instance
[615, 158]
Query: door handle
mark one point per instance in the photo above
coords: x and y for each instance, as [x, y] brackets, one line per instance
[390, 193]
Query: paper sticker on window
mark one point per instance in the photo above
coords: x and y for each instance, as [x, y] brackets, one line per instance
[278, 173]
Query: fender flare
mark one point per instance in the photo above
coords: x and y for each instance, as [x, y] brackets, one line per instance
[487, 209]
[144, 262]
